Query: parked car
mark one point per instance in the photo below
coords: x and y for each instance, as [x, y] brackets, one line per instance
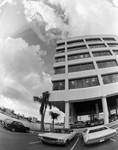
[113, 117]
[97, 134]
[14, 126]
[60, 136]
[78, 124]
[96, 122]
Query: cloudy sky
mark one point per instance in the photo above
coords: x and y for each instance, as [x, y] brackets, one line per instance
[29, 30]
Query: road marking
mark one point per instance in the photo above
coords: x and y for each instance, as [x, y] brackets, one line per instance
[34, 142]
[74, 144]
[112, 139]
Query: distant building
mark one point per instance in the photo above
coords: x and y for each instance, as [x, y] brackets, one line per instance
[85, 80]
[33, 119]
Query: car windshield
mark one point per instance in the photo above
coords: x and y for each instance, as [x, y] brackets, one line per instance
[98, 129]
[18, 123]
[62, 131]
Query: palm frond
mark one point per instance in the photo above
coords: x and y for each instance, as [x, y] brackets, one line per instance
[37, 99]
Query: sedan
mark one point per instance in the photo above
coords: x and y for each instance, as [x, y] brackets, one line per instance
[97, 134]
[14, 126]
[59, 136]
[78, 124]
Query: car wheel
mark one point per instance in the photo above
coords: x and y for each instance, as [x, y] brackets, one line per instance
[65, 144]
[27, 131]
[13, 130]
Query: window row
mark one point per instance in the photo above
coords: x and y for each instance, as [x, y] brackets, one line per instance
[59, 70]
[85, 82]
[74, 48]
[80, 67]
[110, 78]
[78, 56]
[107, 63]
[85, 55]
[81, 47]
[101, 53]
[76, 83]
[87, 40]
[85, 66]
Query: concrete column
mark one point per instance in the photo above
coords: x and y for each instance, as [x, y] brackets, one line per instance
[67, 114]
[97, 111]
[73, 113]
[105, 110]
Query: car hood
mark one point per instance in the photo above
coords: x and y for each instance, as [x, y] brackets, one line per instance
[55, 135]
[100, 134]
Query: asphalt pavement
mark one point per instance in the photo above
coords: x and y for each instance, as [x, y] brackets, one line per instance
[28, 141]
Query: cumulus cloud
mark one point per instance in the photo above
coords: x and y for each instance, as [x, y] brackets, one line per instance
[58, 19]
[22, 72]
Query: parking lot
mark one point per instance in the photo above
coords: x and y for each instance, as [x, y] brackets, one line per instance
[28, 141]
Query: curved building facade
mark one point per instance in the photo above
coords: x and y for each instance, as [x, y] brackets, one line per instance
[85, 80]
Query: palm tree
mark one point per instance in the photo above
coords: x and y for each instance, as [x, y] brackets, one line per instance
[53, 116]
[44, 101]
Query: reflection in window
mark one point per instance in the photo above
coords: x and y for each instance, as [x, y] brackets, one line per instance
[83, 82]
[115, 52]
[101, 53]
[58, 85]
[110, 78]
[113, 44]
[108, 39]
[75, 42]
[79, 47]
[60, 44]
[97, 45]
[80, 67]
[59, 70]
[107, 63]
[93, 40]
[78, 56]
[62, 50]
[60, 59]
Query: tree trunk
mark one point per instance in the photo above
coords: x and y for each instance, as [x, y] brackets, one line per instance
[42, 122]
[53, 125]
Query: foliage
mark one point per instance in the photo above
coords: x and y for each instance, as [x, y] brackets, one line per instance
[53, 116]
[44, 101]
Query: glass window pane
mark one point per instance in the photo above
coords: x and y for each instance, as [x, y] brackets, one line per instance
[87, 82]
[79, 83]
[94, 81]
[55, 86]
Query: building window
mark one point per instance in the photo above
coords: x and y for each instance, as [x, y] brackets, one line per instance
[101, 53]
[110, 78]
[62, 50]
[58, 85]
[60, 59]
[78, 56]
[107, 63]
[74, 48]
[60, 44]
[115, 52]
[80, 67]
[108, 39]
[97, 45]
[75, 42]
[59, 70]
[113, 44]
[93, 40]
[83, 82]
